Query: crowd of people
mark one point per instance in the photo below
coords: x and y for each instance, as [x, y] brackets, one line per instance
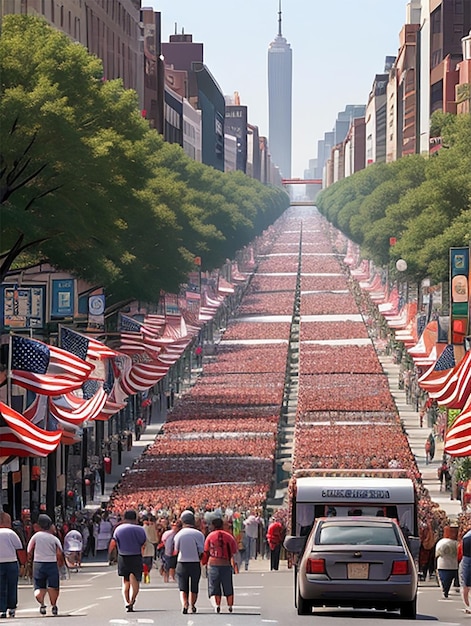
[215, 458]
[140, 544]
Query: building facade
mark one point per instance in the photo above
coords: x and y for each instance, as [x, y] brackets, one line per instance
[111, 31]
[153, 69]
[253, 152]
[376, 118]
[463, 89]
[450, 21]
[235, 124]
[280, 101]
[188, 76]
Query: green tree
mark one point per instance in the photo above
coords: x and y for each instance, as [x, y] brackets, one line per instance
[86, 185]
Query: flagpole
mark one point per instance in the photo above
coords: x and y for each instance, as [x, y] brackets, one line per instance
[10, 361]
[63, 456]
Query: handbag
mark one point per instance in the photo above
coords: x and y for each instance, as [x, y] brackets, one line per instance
[204, 557]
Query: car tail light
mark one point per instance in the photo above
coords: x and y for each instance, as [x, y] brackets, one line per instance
[315, 566]
[400, 568]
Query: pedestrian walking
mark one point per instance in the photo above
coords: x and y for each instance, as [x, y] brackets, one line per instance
[275, 537]
[73, 546]
[138, 427]
[220, 548]
[252, 526]
[428, 449]
[446, 553]
[465, 569]
[45, 552]
[11, 550]
[169, 557]
[189, 543]
[199, 355]
[148, 551]
[129, 539]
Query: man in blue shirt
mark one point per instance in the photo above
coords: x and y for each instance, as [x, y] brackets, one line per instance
[129, 539]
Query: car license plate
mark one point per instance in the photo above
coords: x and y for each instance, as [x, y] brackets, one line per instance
[357, 571]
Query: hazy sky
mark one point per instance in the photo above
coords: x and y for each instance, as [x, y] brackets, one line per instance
[338, 47]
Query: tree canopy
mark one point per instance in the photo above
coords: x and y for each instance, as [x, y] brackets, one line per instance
[87, 186]
[422, 202]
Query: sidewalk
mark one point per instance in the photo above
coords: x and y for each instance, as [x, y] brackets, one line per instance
[417, 436]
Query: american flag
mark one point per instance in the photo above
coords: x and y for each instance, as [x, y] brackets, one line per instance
[446, 360]
[457, 389]
[458, 436]
[82, 346]
[19, 437]
[138, 337]
[438, 374]
[45, 369]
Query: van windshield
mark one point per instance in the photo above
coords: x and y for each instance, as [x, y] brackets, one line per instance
[370, 535]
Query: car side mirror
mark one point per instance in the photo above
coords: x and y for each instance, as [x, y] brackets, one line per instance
[295, 544]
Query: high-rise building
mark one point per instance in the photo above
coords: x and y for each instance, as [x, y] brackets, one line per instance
[200, 88]
[279, 101]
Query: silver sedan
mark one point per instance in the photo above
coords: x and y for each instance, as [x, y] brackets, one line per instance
[359, 562]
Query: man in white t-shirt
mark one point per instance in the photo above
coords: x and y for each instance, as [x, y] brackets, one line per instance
[10, 543]
[45, 550]
[446, 553]
[189, 543]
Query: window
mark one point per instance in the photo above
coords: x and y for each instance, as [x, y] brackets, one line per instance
[436, 19]
[358, 535]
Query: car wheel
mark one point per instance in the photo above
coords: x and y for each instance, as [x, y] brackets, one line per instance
[409, 609]
[304, 607]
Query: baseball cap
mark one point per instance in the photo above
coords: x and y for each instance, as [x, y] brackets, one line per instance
[44, 521]
[188, 517]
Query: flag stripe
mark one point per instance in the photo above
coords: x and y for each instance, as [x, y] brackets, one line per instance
[19, 437]
[77, 413]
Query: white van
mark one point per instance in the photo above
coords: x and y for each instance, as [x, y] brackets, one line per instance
[317, 496]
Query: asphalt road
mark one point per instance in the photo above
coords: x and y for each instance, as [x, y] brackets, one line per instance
[93, 596]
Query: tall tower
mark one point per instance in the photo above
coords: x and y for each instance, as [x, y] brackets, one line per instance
[279, 101]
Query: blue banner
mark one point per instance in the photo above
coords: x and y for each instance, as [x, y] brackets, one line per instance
[63, 297]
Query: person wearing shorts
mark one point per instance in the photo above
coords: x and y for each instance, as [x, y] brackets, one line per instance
[10, 549]
[465, 570]
[129, 539]
[189, 543]
[220, 547]
[169, 556]
[45, 551]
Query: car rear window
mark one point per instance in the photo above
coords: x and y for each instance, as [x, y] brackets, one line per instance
[358, 535]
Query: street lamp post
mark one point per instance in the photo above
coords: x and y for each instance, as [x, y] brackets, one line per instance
[401, 266]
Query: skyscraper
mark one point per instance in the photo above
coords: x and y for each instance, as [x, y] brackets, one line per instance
[279, 101]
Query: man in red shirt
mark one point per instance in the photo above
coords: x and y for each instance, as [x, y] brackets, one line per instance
[220, 546]
[275, 537]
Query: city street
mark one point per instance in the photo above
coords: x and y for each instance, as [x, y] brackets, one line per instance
[261, 597]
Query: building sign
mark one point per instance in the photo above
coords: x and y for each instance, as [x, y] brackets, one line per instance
[96, 311]
[63, 298]
[459, 294]
[171, 307]
[23, 307]
[357, 494]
